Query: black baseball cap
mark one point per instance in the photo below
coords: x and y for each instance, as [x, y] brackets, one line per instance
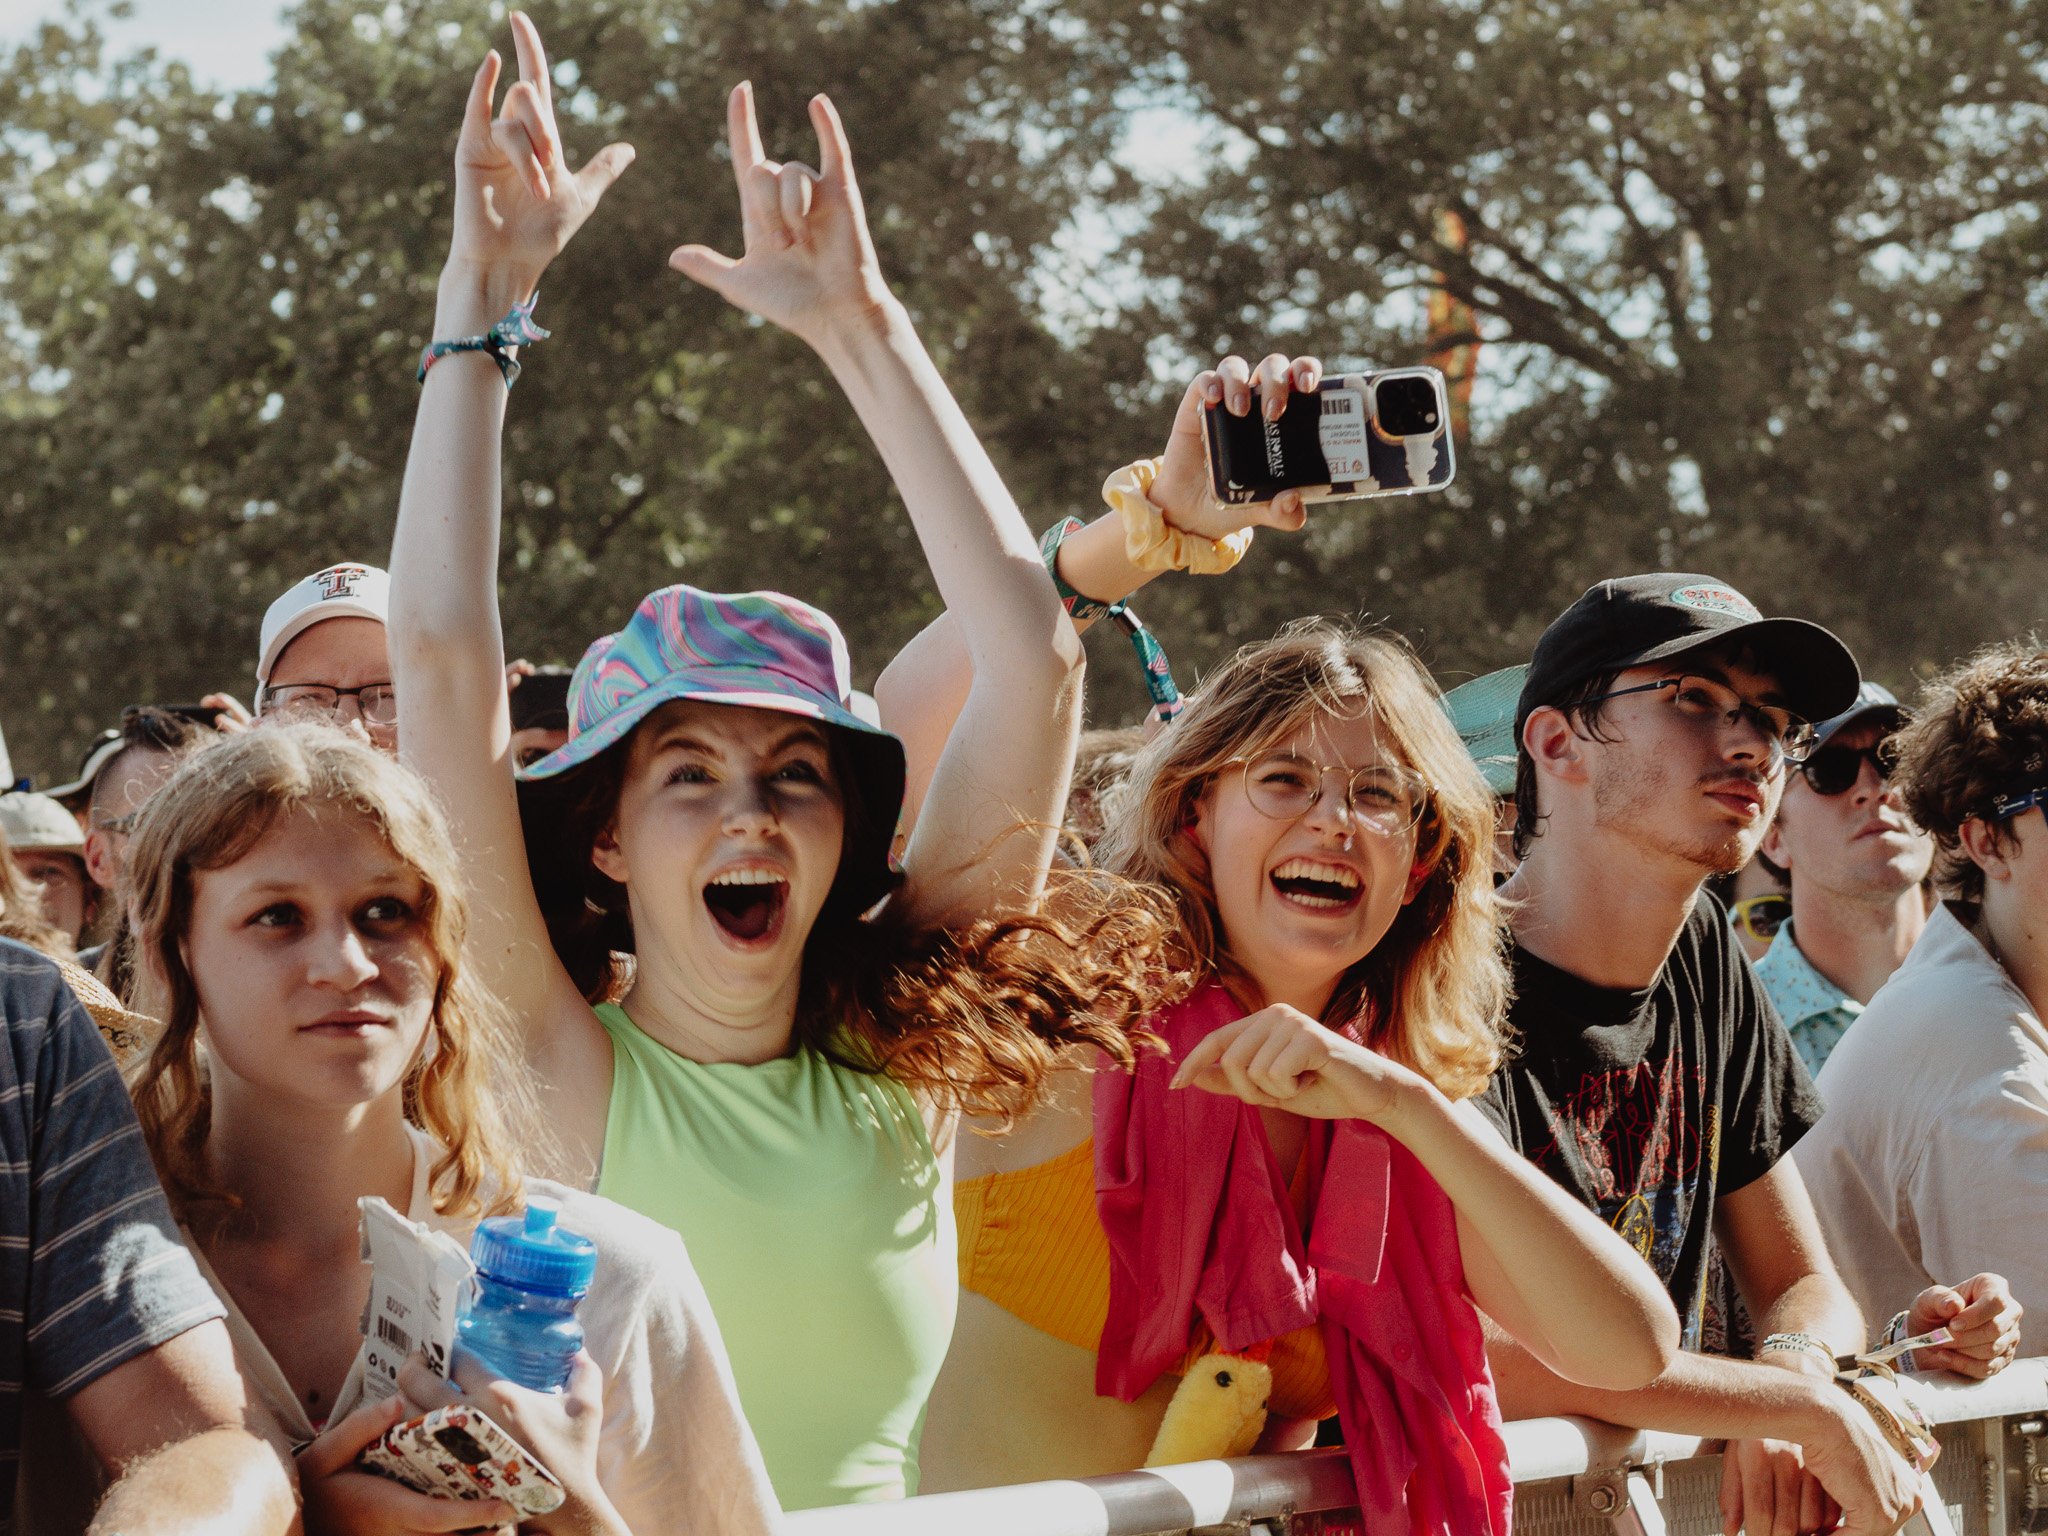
[1634, 620]
[1874, 701]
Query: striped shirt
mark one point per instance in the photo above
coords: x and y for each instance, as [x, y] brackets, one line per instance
[92, 1272]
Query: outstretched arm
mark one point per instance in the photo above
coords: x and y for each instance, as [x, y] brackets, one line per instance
[809, 266]
[1536, 1260]
[924, 690]
[516, 205]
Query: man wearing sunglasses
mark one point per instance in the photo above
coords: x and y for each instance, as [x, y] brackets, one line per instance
[1659, 718]
[1933, 1157]
[1858, 869]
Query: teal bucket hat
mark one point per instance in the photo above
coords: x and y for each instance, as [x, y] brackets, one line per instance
[1483, 710]
[752, 650]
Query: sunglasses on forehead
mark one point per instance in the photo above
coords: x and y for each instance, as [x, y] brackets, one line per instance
[1834, 770]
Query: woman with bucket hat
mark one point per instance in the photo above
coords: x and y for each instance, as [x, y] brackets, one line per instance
[776, 1081]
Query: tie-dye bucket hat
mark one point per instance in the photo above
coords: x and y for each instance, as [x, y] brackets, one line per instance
[752, 650]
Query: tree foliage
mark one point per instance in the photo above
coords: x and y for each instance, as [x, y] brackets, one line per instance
[1761, 287]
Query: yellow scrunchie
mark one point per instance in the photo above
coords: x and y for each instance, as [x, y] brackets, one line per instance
[1154, 544]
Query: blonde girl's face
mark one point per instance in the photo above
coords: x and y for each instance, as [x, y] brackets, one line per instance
[313, 964]
[1303, 899]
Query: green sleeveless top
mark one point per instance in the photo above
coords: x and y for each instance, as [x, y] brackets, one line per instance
[809, 1198]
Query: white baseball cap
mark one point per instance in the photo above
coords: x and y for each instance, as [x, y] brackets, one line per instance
[31, 820]
[340, 592]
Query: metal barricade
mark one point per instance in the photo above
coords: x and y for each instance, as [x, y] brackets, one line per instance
[1573, 1477]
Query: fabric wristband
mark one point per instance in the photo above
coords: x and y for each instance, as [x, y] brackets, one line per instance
[500, 341]
[1159, 684]
[1077, 606]
[1151, 542]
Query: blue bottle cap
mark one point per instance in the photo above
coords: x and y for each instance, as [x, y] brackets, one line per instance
[533, 1253]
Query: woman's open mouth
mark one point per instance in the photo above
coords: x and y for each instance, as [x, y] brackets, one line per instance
[748, 905]
[1317, 886]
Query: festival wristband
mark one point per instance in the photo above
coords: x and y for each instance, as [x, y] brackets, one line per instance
[1890, 1352]
[1077, 606]
[1166, 699]
[1799, 1344]
[499, 342]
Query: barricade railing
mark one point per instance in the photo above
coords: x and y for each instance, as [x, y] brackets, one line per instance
[1573, 1477]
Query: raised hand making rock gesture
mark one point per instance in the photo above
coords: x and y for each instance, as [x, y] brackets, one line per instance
[809, 265]
[517, 202]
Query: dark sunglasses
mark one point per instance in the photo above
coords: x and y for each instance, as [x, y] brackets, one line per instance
[1834, 770]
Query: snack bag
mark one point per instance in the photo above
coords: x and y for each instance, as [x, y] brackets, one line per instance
[418, 1279]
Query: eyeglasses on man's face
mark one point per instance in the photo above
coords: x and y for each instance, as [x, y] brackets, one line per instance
[1713, 705]
[376, 702]
[1383, 797]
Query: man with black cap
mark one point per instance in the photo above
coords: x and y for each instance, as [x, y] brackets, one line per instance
[1654, 1081]
[1857, 867]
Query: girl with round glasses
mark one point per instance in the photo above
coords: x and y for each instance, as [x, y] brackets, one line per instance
[1288, 1213]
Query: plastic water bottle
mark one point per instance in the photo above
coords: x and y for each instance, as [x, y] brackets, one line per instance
[530, 1273]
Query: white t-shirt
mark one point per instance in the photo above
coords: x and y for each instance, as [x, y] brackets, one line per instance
[1931, 1162]
[675, 1453]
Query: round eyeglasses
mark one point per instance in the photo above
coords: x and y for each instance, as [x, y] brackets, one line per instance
[1381, 796]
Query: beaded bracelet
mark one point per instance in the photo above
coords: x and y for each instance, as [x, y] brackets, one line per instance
[515, 330]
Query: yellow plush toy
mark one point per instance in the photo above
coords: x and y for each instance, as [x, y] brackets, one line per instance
[1218, 1410]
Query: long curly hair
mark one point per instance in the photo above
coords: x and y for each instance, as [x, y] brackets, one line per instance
[975, 1017]
[1982, 731]
[465, 1087]
[1432, 994]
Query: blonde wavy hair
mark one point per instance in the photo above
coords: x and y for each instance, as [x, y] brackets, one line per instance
[1433, 992]
[466, 1087]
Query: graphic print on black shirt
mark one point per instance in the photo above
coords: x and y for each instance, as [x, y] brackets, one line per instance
[1651, 1105]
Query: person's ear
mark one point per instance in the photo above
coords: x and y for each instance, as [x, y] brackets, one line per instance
[1552, 744]
[1773, 845]
[1982, 847]
[100, 867]
[1195, 822]
[1418, 876]
[606, 857]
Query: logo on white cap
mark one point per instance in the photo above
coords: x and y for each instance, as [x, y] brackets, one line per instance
[341, 580]
[1717, 600]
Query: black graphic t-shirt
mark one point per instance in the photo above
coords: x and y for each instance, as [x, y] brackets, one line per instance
[1651, 1105]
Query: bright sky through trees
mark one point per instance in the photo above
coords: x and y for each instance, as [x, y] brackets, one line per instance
[225, 43]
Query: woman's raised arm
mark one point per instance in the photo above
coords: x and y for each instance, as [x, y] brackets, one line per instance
[986, 837]
[923, 692]
[517, 204]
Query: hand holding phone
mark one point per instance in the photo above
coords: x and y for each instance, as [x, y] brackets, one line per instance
[341, 1495]
[461, 1453]
[1182, 490]
[1355, 435]
[560, 1430]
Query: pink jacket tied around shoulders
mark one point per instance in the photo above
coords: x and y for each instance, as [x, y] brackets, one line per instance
[1199, 1221]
